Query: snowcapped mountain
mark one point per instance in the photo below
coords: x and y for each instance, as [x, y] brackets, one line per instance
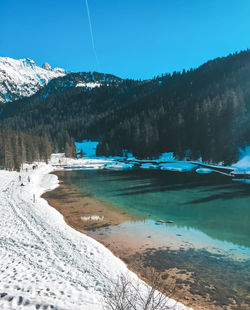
[76, 83]
[23, 77]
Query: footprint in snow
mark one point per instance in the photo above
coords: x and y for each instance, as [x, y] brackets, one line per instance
[20, 300]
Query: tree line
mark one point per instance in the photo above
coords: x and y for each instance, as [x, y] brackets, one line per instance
[18, 147]
[201, 113]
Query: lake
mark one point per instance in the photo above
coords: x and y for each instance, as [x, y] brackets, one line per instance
[185, 223]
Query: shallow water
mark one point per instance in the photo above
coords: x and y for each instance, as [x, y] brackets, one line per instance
[210, 233]
[211, 208]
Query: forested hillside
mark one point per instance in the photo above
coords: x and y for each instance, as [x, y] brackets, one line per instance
[198, 113]
[64, 111]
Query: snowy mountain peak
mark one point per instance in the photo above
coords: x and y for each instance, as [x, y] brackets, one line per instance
[59, 70]
[47, 66]
[23, 77]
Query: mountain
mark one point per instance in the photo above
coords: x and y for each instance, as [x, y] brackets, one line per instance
[23, 77]
[78, 82]
[200, 113]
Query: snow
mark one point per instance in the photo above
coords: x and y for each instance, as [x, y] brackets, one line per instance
[80, 163]
[244, 159]
[23, 77]
[44, 262]
[89, 84]
[91, 161]
[92, 218]
[60, 71]
[165, 162]
[119, 166]
[148, 166]
[177, 166]
[203, 170]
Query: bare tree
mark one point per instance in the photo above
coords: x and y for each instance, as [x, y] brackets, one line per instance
[129, 294]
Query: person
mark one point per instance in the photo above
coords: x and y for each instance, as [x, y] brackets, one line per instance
[20, 178]
[34, 198]
[26, 169]
[28, 178]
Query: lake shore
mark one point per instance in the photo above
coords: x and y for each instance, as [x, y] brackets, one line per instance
[45, 263]
[83, 212]
[95, 218]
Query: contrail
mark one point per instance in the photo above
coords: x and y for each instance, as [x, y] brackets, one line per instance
[91, 33]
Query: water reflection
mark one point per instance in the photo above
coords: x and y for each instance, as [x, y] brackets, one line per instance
[212, 204]
[209, 238]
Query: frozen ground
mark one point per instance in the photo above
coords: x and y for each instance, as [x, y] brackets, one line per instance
[45, 264]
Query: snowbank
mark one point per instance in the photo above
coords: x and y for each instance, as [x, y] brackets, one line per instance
[244, 159]
[178, 166]
[45, 263]
[80, 163]
[166, 161]
[149, 166]
[204, 170]
[119, 166]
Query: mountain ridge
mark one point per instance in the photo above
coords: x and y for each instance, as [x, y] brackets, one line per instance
[200, 113]
[23, 77]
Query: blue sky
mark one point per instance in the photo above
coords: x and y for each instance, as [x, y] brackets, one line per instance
[133, 38]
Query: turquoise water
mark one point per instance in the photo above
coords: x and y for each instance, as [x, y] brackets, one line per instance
[210, 233]
[212, 205]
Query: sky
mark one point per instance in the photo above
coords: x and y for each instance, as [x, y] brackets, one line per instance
[133, 38]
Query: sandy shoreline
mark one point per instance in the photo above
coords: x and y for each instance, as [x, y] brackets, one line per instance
[74, 206]
[77, 209]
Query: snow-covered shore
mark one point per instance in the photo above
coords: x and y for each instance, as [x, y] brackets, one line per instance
[166, 162]
[44, 263]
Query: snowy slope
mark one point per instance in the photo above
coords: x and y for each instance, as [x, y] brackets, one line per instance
[44, 263]
[89, 85]
[23, 77]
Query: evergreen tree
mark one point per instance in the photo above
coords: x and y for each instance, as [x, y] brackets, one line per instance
[68, 150]
[8, 154]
